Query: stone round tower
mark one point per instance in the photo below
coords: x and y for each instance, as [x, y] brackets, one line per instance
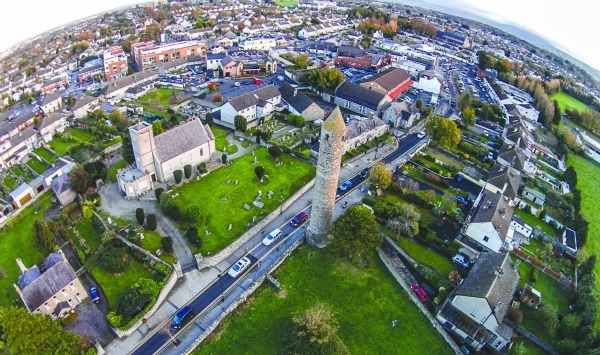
[331, 147]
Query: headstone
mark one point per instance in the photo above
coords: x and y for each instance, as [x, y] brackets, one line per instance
[252, 153]
[229, 227]
[236, 182]
[224, 198]
[246, 206]
[141, 236]
[255, 160]
[253, 219]
[158, 252]
[259, 193]
[258, 204]
[228, 181]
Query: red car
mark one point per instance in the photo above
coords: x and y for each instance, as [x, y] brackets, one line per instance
[420, 292]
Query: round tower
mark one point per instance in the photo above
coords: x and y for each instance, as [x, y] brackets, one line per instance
[331, 146]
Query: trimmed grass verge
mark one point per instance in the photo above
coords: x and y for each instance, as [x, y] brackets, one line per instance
[112, 172]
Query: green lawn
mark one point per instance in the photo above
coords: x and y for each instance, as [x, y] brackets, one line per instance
[530, 348]
[366, 301]
[37, 166]
[567, 101]
[425, 256]
[587, 182]
[287, 3]
[15, 242]
[81, 135]
[92, 236]
[160, 95]
[426, 216]
[220, 138]
[112, 172]
[207, 192]
[46, 155]
[114, 285]
[60, 146]
[10, 182]
[23, 172]
[535, 222]
[232, 149]
[152, 243]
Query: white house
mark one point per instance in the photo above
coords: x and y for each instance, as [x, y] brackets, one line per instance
[429, 81]
[252, 105]
[490, 224]
[52, 102]
[54, 122]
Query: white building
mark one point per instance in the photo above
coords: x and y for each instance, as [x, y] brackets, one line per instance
[252, 105]
[490, 225]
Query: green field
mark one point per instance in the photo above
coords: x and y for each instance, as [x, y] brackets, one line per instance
[161, 96]
[37, 166]
[112, 172]
[207, 194]
[81, 135]
[426, 257]
[220, 138]
[287, 3]
[567, 101]
[587, 182]
[15, 242]
[60, 146]
[366, 301]
[46, 155]
[151, 243]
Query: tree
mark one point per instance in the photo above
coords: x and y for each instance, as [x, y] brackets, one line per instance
[260, 172]
[569, 325]
[187, 171]
[79, 179]
[548, 316]
[127, 149]
[217, 98]
[570, 176]
[274, 152]
[178, 175]
[167, 244]
[112, 261]
[407, 220]
[464, 101]
[380, 176]
[468, 116]
[485, 61]
[191, 213]
[443, 131]
[130, 303]
[419, 104]
[354, 233]
[557, 115]
[192, 235]
[158, 192]
[43, 235]
[96, 170]
[209, 118]
[29, 333]
[139, 216]
[157, 127]
[224, 158]
[301, 60]
[240, 122]
[151, 222]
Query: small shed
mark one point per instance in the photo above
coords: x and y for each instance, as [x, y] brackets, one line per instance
[530, 296]
[21, 195]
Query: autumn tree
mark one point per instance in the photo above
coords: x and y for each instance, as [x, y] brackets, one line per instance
[407, 222]
[430, 30]
[380, 176]
[321, 79]
[468, 116]
[443, 131]
[355, 233]
[301, 60]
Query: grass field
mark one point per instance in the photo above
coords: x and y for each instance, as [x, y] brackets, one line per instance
[46, 155]
[207, 192]
[81, 135]
[220, 138]
[23, 172]
[567, 101]
[60, 146]
[160, 95]
[426, 257]
[15, 242]
[587, 182]
[152, 243]
[366, 301]
[93, 238]
[37, 166]
[112, 172]
[287, 3]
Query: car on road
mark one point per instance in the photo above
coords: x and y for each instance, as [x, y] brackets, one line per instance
[461, 200]
[364, 172]
[299, 219]
[461, 261]
[421, 134]
[271, 237]
[346, 185]
[237, 84]
[180, 317]
[239, 267]
[94, 294]
[459, 177]
[420, 292]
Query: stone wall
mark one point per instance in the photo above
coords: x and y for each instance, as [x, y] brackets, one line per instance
[210, 261]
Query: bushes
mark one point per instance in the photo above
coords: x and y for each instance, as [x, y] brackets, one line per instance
[177, 175]
[187, 171]
[433, 178]
[192, 235]
[130, 303]
[158, 193]
[139, 216]
[151, 222]
[167, 244]
[202, 168]
[112, 261]
[191, 214]
[162, 269]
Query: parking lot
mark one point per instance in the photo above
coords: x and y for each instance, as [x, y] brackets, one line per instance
[228, 89]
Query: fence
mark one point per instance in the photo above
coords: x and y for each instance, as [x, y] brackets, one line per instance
[558, 276]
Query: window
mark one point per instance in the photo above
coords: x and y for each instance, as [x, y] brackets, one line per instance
[201, 151]
[64, 292]
[46, 305]
[55, 299]
[486, 238]
[474, 312]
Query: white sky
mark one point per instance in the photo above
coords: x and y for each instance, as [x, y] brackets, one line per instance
[570, 25]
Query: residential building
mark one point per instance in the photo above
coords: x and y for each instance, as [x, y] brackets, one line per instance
[391, 82]
[149, 55]
[569, 240]
[229, 67]
[401, 115]
[251, 105]
[52, 102]
[117, 88]
[515, 157]
[54, 290]
[50, 124]
[82, 104]
[197, 33]
[490, 225]
[534, 196]
[429, 81]
[504, 180]
[115, 63]
[361, 130]
[530, 296]
[262, 44]
[476, 312]
[21, 195]
[360, 99]
[300, 104]
[214, 60]
[90, 72]
[54, 85]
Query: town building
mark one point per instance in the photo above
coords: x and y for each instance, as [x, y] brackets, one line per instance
[360, 99]
[252, 105]
[88, 73]
[401, 115]
[490, 225]
[149, 55]
[115, 63]
[61, 186]
[361, 130]
[391, 82]
[300, 104]
[504, 180]
[52, 102]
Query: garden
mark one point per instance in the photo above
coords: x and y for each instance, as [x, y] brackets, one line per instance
[365, 300]
[222, 195]
[23, 172]
[164, 97]
[10, 182]
[37, 166]
[112, 171]
[46, 155]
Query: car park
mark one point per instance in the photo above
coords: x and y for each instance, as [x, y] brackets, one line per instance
[461, 261]
[180, 317]
[271, 237]
[420, 292]
[299, 219]
[346, 185]
[94, 294]
[239, 267]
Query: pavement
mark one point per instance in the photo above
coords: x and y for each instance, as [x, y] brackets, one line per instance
[214, 282]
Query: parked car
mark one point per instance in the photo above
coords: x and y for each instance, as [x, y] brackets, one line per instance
[271, 237]
[180, 317]
[461, 261]
[462, 200]
[459, 177]
[239, 267]
[421, 134]
[346, 185]
[299, 219]
[237, 84]
[420, 292]
[94, 294]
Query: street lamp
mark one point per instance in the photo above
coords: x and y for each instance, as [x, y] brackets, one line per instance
[280, 201]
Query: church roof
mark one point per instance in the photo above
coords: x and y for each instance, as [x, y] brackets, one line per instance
[181, 139]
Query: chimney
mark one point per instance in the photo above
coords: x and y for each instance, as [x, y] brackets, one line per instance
[295, 91]
[21, 265]
[497, 308]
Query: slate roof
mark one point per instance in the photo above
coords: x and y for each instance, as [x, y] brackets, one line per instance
[514, 156]
[226, 60]
[61, 184]
[51, 97]
[359, 95]
[299, 101]
[48, 120]
[52, 259]
[495, 209]
[29, 276]
[252, 98]
[60, 307]
[464, 322]
[82, 101]
[215, 56]
[181, 139]
[351, 51]
[91, 68]
[389, 78]
[494, 278]
[501, 175]
[570, 239]
[128, 81]
[356, 128]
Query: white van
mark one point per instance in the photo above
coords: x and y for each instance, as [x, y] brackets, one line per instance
[273, 236]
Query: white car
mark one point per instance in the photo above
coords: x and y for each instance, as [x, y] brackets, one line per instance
[239, 267]
[271, 237]
[421, 134]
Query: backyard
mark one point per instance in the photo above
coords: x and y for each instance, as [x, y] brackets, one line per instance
[223, 202]
[15, 242]
[10, 182]
[46, 155]
[87, 231]
[425, 256]
[61, 146]
[37, 166]
[535, 222]
[152, 242]
[366, 301]
[23, 172]
[287, 3]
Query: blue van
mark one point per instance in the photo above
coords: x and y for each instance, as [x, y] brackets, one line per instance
[180, 317]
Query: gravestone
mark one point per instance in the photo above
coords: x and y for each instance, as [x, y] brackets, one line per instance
[247, 207]
[253, 219]
[224, 198]
[228, 181]
[158, 252]
[258, 204]
[229, 227]
[236, 182]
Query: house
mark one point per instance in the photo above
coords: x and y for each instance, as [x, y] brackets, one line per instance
[213, 61]
[391, 82]
[513, 156]
[63, 166]
[251, 105]
[21, 195]
[454, 38]
[116, 89]
[229, 67]
[490, 224]
[82, 104]
[569, 240]
[47, 126]
[534, 196]
[53, 85]
[88, 73]
[360, 99]
[530, 296]
[54, 290]
[52, 102]
[63, 190]
[504, 180]
[300, 104]
[477, 310]
[361, 130]
[401, 115]
[517, 135]
[429, 81]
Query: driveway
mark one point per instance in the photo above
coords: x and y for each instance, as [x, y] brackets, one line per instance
[92, 324]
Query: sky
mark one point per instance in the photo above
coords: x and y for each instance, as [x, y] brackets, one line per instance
[569, 25]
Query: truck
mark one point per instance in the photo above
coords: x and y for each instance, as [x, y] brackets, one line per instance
[257, 81]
